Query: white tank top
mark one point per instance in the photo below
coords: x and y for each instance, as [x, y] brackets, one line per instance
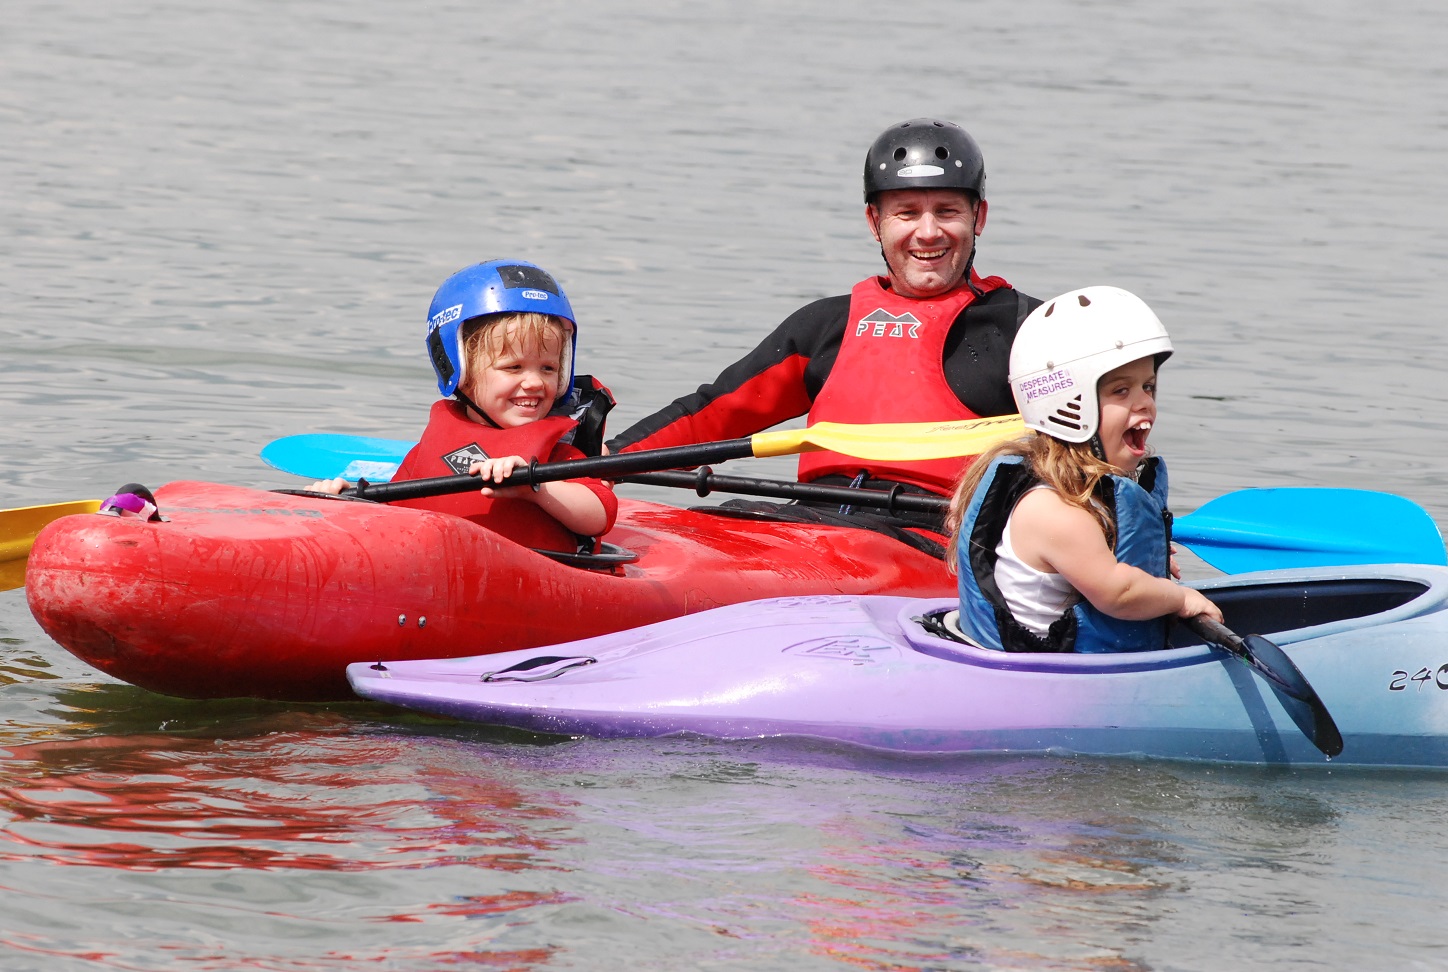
[1035, 598]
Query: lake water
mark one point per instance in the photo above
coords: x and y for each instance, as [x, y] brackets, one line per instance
[221, 224]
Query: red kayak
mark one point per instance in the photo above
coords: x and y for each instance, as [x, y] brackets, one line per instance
[242, 592]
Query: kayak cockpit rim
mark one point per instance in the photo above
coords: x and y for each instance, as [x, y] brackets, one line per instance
[1309, 604]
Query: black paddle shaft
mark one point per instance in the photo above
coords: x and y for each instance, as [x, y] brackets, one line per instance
[535, 474]
[705, 481]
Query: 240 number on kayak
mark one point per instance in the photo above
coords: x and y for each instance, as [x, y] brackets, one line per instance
[1422, 676]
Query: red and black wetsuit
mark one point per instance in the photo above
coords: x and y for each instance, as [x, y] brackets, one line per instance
[851, 357]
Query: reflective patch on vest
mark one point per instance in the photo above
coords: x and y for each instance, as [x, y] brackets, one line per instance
[881, 323]
[461, 460]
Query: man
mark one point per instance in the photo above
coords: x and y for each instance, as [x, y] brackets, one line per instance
[929, 341]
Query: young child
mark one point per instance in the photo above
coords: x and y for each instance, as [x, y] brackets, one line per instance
[1062, 539]
[501, 337]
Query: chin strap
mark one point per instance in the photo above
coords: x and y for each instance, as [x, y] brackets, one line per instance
[469, 403]
[1099, 451]
[969, 266]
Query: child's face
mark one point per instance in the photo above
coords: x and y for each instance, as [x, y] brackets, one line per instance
[1128, 411]
[519, 385]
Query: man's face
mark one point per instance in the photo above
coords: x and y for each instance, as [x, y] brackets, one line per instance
[927, 236]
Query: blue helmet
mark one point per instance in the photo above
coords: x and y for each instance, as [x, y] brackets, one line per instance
[495, 287]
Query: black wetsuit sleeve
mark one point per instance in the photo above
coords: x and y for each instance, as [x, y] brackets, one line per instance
[780, 378]
[775, 382]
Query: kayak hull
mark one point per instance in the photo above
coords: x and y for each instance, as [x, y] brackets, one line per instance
[242, 592]
[1373, 641]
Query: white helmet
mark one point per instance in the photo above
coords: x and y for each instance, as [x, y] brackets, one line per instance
[1065, 347]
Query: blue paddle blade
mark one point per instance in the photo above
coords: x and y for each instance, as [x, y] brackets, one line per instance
[325, 455]
[1274, 529]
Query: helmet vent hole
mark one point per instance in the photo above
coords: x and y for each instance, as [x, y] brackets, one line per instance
[1068, 416]
[941, 152]
[1083, 300]
[900, 154]
[1050, 310]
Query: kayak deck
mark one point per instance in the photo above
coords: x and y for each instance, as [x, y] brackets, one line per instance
[861, 671]
[241, 592]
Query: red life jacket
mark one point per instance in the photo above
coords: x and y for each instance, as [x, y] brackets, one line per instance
[450, 444]
[890, 368]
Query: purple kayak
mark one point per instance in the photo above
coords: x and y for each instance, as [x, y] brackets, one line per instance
[863, 671]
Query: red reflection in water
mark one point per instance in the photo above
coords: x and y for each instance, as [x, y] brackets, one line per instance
[515, 960]
[522, 960]
[899, 906]
[487, 905]
[298, 800]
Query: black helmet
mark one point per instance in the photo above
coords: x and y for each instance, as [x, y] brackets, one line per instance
[924, 153]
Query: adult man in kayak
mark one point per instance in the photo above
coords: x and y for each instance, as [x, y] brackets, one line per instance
[928, 341]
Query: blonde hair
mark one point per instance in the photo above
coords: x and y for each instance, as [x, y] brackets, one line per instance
[486, 339]
[1069, 468]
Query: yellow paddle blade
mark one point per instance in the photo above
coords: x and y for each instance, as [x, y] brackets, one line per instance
[18, 528]
[902, 442]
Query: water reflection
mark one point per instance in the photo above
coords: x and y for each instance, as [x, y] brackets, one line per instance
[20, 665]
[286, 790]
[970, 877]
[272, 827]
[433, 844]
[996, 862]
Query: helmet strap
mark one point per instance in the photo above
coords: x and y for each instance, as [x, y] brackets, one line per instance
[969, 267]
[469, 403]
[1098, 449]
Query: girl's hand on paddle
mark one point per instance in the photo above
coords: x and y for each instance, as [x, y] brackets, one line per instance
[333, 486]
[1176, 572]
[497, 470]
[1196, 603]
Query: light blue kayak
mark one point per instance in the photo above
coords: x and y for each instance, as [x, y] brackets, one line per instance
[1373, 642]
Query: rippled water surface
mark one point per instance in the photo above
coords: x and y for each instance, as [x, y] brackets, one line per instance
[220, 224]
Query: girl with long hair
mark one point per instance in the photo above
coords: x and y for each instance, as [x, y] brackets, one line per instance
[1062, 539]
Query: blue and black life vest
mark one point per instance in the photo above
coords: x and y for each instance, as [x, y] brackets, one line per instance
[1143, 539]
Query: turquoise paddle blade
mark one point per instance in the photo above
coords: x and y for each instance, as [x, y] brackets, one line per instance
[325, 455]
[1274, 529]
